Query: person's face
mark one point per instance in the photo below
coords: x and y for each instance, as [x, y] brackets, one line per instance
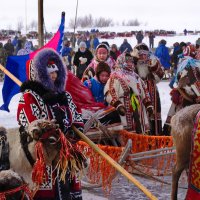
[183, 47]
[102, 54]
[53, 76]
[103, 77]
[143, 56]
[129, 62]
[114, 49]
[82, 49]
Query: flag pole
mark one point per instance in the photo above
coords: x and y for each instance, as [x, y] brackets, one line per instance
[40, 23]
[97, 149]
[75, 20]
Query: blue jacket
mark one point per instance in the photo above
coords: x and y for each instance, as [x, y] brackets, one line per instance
[66, 52]
[96, 88]
[124, 46]
[95, 42]
[162, 53]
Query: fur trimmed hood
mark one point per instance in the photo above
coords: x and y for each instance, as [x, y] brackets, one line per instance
[41, 75]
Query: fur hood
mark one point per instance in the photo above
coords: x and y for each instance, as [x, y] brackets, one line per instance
[40, 62]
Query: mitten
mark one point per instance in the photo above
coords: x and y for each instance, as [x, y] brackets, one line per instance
[82, 60]
[119, 107]
[150, 110]
[153, 65]
[121, 110]
[59, 114]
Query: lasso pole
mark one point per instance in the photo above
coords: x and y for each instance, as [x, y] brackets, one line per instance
[112, 162]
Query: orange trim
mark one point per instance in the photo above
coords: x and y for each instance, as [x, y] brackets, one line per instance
[100, 171]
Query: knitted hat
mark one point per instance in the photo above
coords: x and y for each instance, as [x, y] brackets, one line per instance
[103, 45]
[122, 59]
[101, 67]
[82, 44]
[142, 47]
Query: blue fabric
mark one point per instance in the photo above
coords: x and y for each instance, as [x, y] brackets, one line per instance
[125, 46]
[88, 44]
[95, 42]
[96, 88]
[162, 53]
[17, 66]
[14, 42]
[176, 48]
[189, 62]
[61, 31]
[171, 84]
[66, 51]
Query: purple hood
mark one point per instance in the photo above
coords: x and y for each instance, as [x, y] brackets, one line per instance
[40, 71]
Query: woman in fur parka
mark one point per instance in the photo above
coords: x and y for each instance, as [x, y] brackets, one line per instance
[44, 97]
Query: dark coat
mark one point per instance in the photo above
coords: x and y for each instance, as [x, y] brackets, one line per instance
[87, 54]
[9, 47]
[81, 68]
[139, 37]
[124, 46]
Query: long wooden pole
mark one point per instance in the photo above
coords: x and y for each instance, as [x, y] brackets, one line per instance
[97, 149]
[5, 71]
[75, 20]
[40, 23]
[115, 164]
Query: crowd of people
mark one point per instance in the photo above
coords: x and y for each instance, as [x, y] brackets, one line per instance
[133, 70]
[124, 77]
[18, 46]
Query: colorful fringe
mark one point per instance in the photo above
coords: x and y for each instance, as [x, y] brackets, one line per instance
[100, 171]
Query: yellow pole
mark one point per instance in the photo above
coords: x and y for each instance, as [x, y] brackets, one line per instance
[97, 149]
[16, 80]
[115, 164]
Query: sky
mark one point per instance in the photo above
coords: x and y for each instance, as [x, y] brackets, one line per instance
[168, 14]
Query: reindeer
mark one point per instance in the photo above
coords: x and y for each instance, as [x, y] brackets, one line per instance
[12, 186]
[23, 144]
[182, 124]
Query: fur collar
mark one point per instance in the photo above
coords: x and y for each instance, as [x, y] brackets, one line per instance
[47, 95]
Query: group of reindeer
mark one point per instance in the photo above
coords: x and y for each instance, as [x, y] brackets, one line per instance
[182, 124]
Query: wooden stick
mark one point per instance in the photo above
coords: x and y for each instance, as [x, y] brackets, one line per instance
[16, 80]
[115, 164]
[96, 148]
